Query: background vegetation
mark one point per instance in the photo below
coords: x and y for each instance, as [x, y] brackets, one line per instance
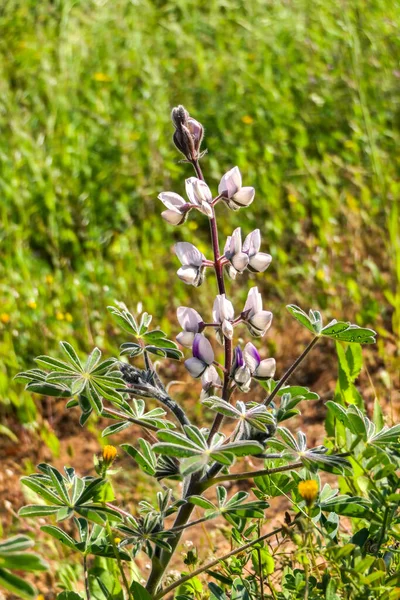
[302, 96]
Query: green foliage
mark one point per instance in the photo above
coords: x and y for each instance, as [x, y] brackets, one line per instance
[14, 558]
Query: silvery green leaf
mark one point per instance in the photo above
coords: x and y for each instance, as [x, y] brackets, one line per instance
[346, 332]
[72, 356]
[124, 319]
[301, 317]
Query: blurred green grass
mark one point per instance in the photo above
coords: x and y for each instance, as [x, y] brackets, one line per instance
[302, 95]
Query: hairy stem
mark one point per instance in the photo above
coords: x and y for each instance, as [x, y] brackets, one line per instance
[86, 574]
[290, 371]
[211, 564]
[118, 559]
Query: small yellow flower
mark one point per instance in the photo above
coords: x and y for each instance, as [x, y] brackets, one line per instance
[49, 279]
[69, 317]
[247, 120]
[109, 454]
[40, 597]
[31, 303]
[5, 318]
[59, 316]
[117, 540]
[308, 490]
[102, 77]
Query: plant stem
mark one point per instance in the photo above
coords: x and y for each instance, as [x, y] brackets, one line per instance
[118, 559]
[290, 371]
[249, 475]
[211, 564]
[85, 570]
[219, 272]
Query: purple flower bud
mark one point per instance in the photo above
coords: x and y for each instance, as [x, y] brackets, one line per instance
[188, 133]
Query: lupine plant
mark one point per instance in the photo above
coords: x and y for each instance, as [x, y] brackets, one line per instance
[197, 466]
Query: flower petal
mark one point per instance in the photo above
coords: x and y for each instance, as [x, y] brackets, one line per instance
[244, 197]
[253, 302]
[185, 338]
[260, 262]
[230, 183]
[251, 356]
[202, 349]
[188, 254]
[260, 323]
[173, 217]
[172, 200]
[265, 369]
[197, 191]
[189, 275]
[195, 367]
[210, 376]
[189, 319]
[240, 261]
[252, 243]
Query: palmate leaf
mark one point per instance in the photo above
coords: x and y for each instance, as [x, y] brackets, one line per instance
[336, 330]
[91, 380]
[295, 448]
[137, 410]
[154, 341]
[257, 415]
[194, 449]
[66, 495]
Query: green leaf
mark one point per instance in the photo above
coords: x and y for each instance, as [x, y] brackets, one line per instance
[175, 450]
[69, 596]
[49, 389]
[54, 363]
[124, 319]
[23, 562]
[301, 317]
[37, 510]
[16, 585]
[15, 544]
[60, 535]
[350, 506]
[92, 360]
[40, 489]
[346, 332]
[243, 448]
[139, 592]
[72, 356]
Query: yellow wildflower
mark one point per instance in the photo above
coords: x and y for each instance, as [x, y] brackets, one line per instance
[40, 597]
[5, 318]
[117, 540]
[49, 279]
[102, 77]
[31, 303]
[59, 316]
[247, 120]
[308, 490]
[109, 454]
[69, 317]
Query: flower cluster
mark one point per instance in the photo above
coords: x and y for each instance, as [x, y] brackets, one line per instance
[236, 258]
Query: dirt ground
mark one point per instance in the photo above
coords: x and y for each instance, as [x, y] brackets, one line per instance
[78, 445]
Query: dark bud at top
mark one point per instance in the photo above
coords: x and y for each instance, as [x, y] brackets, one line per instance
[188, 133]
